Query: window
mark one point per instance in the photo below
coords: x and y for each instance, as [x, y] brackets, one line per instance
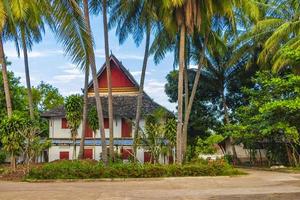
[106, 123]
[88, 153]
[64, 155]
[126, 128]
[64, 123]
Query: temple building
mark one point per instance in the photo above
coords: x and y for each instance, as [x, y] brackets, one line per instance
[125, 91]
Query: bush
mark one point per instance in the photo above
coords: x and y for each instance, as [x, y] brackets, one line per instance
[2, 157]
[88, 170]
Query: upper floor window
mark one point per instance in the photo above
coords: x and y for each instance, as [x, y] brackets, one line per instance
[106, 123]
[64, 123]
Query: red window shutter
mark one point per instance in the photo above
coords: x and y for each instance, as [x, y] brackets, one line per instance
[88, 153]
[88, 131]
[106, 123]
[126, 128]
[64, 155]
[147, 157]
[64, 123]
[126, 153]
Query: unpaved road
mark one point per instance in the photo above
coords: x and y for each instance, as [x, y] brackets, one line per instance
[257, 185]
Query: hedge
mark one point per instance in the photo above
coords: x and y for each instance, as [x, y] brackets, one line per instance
[91, 170]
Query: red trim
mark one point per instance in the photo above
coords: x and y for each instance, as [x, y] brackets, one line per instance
[88, 153]
[64, 123]
[64, 155]
[126, 128]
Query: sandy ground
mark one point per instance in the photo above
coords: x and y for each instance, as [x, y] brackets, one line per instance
[257, 185]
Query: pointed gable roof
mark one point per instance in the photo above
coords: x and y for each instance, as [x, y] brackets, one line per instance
[117, 67]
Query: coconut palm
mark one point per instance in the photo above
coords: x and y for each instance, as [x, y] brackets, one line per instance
[277, 34]
[92, 61]
[5, 15]
[29, 27]
[137, 18]
[109, 86]
[194, 17]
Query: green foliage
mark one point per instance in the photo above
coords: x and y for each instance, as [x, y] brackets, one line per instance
[73, 106]
[18, 94]
[159, 134]
[47, 97]
[2, 157]
[92, 118]
[10, 135]
[90, 169]
[272, 115]
[207, 146]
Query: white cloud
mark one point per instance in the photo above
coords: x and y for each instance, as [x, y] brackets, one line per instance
[12, 53]
[33, 80]
[69, 73]
[138, 73]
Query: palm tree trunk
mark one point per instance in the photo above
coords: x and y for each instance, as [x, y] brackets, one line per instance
[227, 121]
[186, 103]
[96, 86]
[5, 79]
[193, 93]
[27, 75]
[141, 90]
[108, 74]
[84, 112]
[180, 93]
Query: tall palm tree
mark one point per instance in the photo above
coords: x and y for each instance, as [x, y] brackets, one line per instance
[193, 16]
[137, 18]
[73, 30]
[29, 27]
[84, 112]
[4, 17]
[109, 86]
[92, 61]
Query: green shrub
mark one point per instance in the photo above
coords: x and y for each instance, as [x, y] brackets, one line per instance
[91, 169]
[2, 157]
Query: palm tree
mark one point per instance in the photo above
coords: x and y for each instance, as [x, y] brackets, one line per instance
[4, 17]
[277, 34]
[84, 112]
[109, 86]
[192, 17]
[91, 57]
[137, 18]
[29, 27]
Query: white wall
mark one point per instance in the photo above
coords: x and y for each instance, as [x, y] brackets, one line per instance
[55, 130]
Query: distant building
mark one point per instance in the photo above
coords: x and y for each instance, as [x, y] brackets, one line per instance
[125, 91]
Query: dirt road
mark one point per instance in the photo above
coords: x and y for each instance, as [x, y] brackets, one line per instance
[257, 185]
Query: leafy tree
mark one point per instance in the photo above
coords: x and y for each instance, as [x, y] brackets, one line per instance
[18, 94]
[73, 106]
[272, 116]
[33, 145]
[207, 146]
[11, 139]
[46, 97]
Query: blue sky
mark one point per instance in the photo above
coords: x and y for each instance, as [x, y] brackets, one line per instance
[48, 63]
